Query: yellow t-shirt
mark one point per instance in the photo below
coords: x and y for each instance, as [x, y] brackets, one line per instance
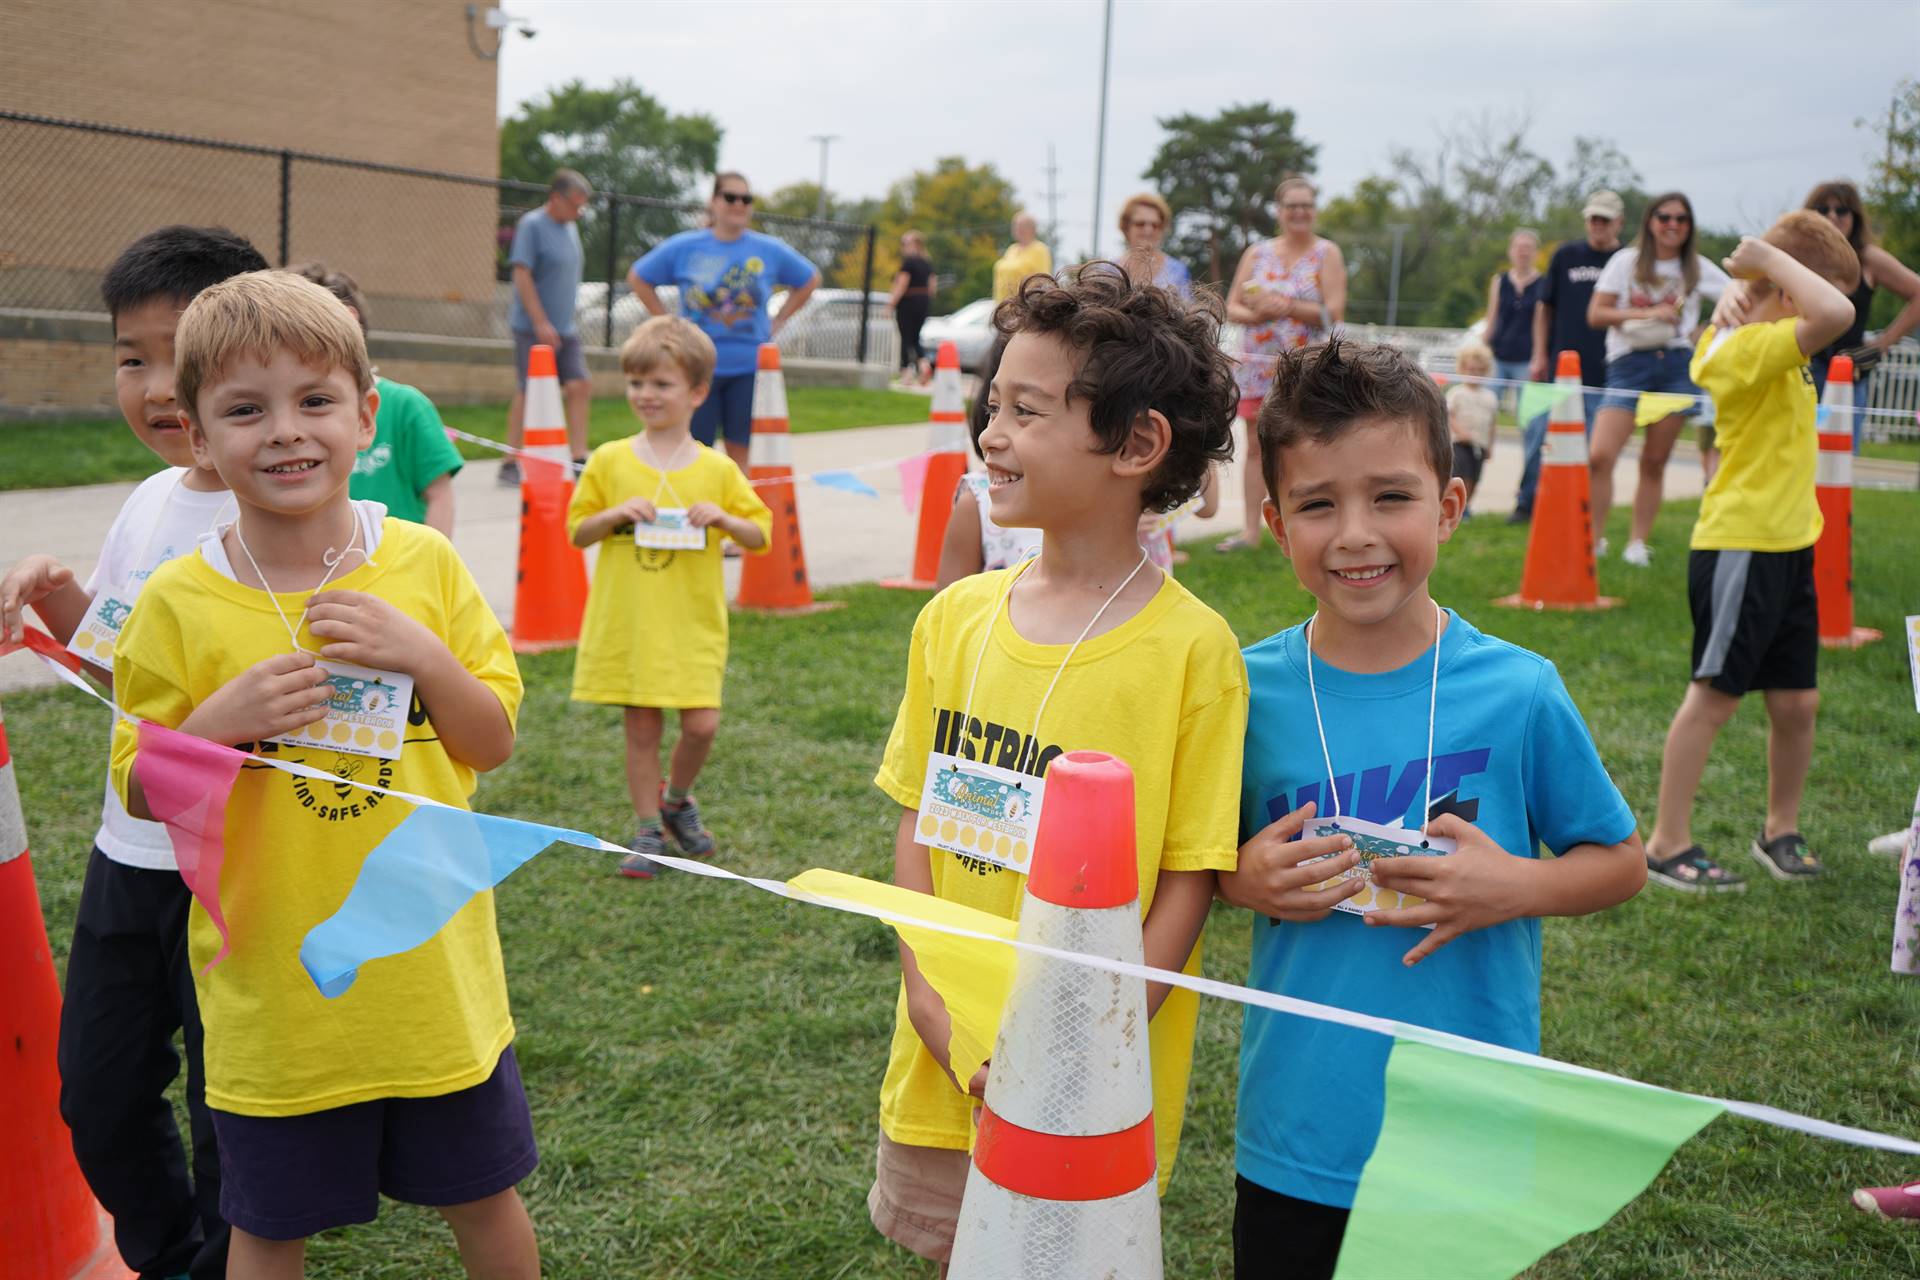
[1762, 497]
[1016, 264]
[431, 1021]
[655, 633]
[1166, 691]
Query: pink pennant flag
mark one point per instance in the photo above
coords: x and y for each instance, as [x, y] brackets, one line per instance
[913, 478]
[186, 781]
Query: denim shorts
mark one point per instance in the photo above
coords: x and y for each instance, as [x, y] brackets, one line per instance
[1663, 369]
[727, 411]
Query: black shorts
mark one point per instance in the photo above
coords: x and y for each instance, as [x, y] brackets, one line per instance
[1756, 621]
[1467, 461]
[1281, 1237]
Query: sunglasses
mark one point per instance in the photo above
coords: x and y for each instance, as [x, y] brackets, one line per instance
[1832, 210]
[736, 197]
[1666, 218]
[1146, 224]
[1294, 206]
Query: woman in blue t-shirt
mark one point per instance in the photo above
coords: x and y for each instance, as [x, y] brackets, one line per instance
[725, 275]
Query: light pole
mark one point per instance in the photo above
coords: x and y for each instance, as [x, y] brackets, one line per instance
[825, 140]
[1100, 143]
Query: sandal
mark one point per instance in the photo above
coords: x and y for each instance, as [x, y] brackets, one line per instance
[1692, 871]
[1238, 542]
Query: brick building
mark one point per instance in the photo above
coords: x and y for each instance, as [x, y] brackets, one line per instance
[392, 81]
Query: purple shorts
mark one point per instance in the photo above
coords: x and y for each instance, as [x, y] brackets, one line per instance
[288, 1177]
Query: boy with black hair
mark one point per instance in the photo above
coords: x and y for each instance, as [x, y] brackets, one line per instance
[1111, 399]
[1756, 622]
[1385, 708]
[128, 984]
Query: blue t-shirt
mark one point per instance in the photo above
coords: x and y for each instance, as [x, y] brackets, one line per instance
[1510, 755]
[551, 251]
[724, 286]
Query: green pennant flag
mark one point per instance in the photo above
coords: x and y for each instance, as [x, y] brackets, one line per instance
[1483, 1166]
[1536, 398]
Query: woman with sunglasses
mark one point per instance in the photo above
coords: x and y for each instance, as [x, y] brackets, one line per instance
[1290, 291]
[725, 274]
[1839, 203]
[1648, 300]
[1144, 220]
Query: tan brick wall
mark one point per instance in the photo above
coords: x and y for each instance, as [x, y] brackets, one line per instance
[40, 379]
[384, 80]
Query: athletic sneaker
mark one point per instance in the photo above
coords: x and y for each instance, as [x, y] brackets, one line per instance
[510, 473]
[1637, 554]
[1892, 844]
[1902, 1201]
[637, 865]
[682, 822]
[1786, 857]
[1692, 871]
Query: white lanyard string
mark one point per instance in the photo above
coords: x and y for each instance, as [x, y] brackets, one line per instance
[331, 558]
[653, 460]
[987, 638]
[1433, 701]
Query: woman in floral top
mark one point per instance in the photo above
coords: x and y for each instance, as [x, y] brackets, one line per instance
[1290, 291]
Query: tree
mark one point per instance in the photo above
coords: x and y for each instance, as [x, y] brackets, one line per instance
[964, 212]
[1219, 173]
[622, 140]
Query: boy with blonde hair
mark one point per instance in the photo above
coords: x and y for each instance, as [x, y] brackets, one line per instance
[1756, 622]
[129, 987]
[1387, 709]
[1112, 398]
[655, 634]
[1472, 409]
[407, 1085]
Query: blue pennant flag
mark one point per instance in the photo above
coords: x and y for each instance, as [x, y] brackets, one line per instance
[846, 481]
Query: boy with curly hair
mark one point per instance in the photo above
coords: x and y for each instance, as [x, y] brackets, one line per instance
[1111, 399]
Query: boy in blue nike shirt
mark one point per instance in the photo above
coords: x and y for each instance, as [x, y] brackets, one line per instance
[1386, 708]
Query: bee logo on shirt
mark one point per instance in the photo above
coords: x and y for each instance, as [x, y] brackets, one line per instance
[340, 801]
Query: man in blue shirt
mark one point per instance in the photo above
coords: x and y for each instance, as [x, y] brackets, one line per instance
[547, 261]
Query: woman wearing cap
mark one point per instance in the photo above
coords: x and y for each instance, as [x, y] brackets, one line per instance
[1648, 300]
[726, 275]
[1144, 220]
[1290, 291]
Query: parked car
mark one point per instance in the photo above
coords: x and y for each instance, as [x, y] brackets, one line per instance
[828, 327]
[590, 311]
[970, 329]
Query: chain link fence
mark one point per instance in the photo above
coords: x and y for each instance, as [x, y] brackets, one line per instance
[428, 249]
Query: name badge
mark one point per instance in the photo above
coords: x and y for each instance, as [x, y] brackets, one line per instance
[94, 638]
[1372, 840]
[980, 811]
[366, 713]
[669, 531]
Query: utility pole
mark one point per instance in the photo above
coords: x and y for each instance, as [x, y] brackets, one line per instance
[1393, 275]
[825, 140]
[1100, 143]
[1053, 201]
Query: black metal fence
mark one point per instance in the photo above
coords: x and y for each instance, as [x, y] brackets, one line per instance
[429, 249]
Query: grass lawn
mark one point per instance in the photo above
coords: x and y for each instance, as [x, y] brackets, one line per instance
[40, 455]
[703, 1060]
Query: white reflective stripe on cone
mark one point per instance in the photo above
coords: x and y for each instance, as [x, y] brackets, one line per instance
[1564, 447]
[1833, 469]
[947, 437]
[770, 449]
[543, 407]
[1003, 1235]
[946, 392]
[1060, 1018]
[13, 823]
[1567, 406]
[769, 396]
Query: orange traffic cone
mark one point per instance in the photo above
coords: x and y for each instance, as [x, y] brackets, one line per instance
[1062, 1181]
[946, 463]
[776, 581]
[551, 593]
[1559, 569]
[49, 1224]
[1833, 488]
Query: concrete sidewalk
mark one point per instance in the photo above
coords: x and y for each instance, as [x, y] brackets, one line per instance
[849, 538]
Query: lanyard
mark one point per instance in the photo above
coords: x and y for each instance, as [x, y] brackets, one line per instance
[331, 558]
[987, 638]
[1433, 699]
[653, 460]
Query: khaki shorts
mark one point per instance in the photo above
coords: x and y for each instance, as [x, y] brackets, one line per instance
[915, 1201]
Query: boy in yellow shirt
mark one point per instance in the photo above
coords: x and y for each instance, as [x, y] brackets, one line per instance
[1756, 624]
[406, 1085]
[1111, 399]
[655, 634]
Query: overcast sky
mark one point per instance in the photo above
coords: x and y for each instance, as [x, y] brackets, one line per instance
[1744, 105]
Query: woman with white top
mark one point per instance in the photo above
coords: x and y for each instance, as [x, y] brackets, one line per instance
[1648, 300]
